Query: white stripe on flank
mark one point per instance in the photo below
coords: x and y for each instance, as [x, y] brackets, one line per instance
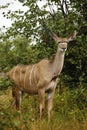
[35, 80]
[25, 76]
[30, 77]
[20, 73]
[14, 73]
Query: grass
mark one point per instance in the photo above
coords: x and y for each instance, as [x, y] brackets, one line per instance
[66, 116]
[59, 125]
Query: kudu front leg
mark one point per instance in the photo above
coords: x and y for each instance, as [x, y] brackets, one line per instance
[50, 103]
[41, 93]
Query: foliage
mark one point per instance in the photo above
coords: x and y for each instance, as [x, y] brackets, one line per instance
[71, 104]
[4, 83]
[28, 41]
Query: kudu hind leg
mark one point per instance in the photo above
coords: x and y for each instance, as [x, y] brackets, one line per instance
[17, 97]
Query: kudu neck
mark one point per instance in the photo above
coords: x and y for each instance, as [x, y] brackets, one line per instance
[58, 62]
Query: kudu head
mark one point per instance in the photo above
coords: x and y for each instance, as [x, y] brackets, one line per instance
[63, 41]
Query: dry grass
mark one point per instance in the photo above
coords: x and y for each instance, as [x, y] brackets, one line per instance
[13, 120]
[5, 98]
[57, 125]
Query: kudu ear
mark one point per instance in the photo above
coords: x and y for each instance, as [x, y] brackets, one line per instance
[72, 36]
[56, 38]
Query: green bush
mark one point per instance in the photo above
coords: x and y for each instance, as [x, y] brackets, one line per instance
[71, 104]
[5, 83]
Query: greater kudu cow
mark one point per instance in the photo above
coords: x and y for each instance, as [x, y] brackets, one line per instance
[40, 77]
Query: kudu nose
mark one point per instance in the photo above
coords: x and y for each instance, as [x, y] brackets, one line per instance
[64, 49]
